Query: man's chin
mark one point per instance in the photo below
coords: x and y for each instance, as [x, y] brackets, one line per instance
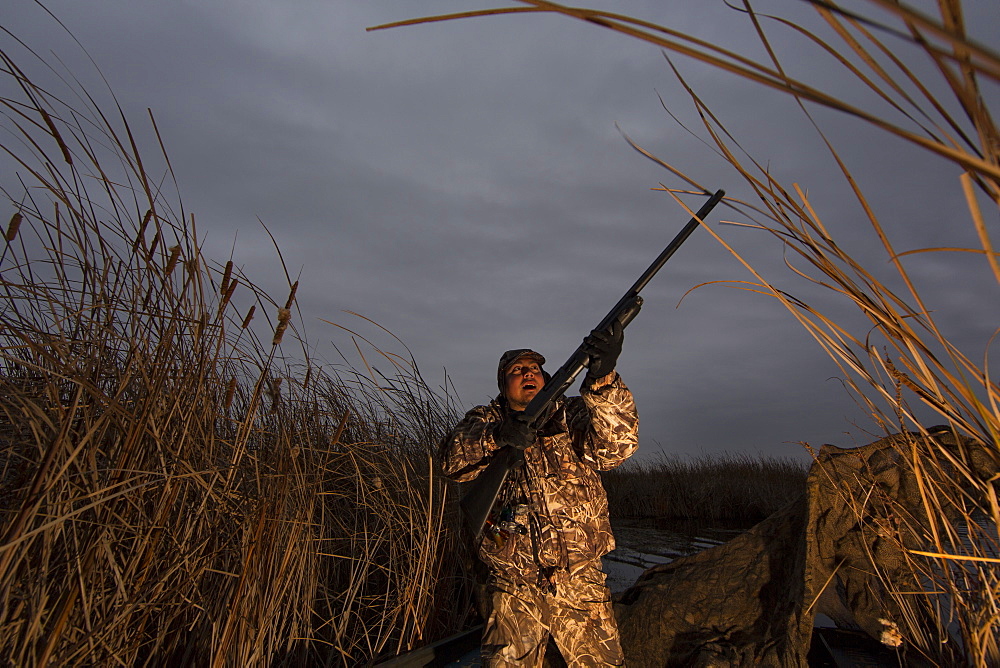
[522, 401]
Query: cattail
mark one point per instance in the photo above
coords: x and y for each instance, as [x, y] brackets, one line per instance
[67, 156]
[340, 428]
[227, 295]
[141, 237]
[230, 392]
[175, 252]
[284, 315]
[246, 320]
[15, 223]
[152, 246]
[291, 295]
[225, 277]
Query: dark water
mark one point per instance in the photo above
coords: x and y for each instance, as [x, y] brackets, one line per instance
[643, 544]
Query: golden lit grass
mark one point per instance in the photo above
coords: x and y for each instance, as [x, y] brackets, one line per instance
[901, 355]
[173, 492]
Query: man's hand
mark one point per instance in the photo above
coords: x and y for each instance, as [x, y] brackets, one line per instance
[515, 432]
[603, 348]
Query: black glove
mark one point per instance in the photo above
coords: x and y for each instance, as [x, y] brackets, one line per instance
[515, 432]
[603, 347]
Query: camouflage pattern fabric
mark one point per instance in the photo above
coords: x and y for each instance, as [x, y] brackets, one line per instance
[556, 523]
[842, 550]
[576, 611]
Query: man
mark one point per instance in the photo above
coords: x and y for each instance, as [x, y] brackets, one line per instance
[550, 528]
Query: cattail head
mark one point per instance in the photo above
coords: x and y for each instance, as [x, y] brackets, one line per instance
[15, 223]
[228, 294]
[284, 315]
[249, 317]
[175, 252]
[227, 274]
[230, 393]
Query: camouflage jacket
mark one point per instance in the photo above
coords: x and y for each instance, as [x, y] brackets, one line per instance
[561, 503]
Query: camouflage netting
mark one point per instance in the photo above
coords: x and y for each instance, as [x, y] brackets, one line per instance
[839, 552]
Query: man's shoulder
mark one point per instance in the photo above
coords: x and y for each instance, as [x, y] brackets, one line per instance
[491, 409]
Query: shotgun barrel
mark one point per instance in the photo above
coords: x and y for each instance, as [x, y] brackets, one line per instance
[481, 494]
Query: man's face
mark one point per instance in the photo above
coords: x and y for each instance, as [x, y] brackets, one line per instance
[523, 380]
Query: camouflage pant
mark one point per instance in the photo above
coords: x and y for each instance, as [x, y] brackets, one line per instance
[578, 615]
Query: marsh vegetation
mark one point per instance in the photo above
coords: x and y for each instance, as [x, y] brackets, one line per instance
[181, 483]
[727, 488]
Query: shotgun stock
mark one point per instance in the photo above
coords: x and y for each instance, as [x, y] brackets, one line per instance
[481, 493]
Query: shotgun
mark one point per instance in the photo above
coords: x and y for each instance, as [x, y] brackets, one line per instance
[482, 493]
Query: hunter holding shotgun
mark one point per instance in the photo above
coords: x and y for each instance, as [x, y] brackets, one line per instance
[537, 505]
[550, 528]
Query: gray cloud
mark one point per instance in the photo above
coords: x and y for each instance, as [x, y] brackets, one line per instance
[464, 185]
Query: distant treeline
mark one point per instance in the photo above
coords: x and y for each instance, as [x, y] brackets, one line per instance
[728, 487]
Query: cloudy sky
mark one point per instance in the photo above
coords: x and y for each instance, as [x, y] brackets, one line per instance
[465, 185]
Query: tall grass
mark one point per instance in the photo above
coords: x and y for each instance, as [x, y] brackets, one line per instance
[927, 78]
[736, 488]
[173, 490]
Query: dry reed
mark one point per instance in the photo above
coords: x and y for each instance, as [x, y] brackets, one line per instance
[173, 491]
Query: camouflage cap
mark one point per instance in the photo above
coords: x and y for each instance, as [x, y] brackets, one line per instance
[512, 356]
